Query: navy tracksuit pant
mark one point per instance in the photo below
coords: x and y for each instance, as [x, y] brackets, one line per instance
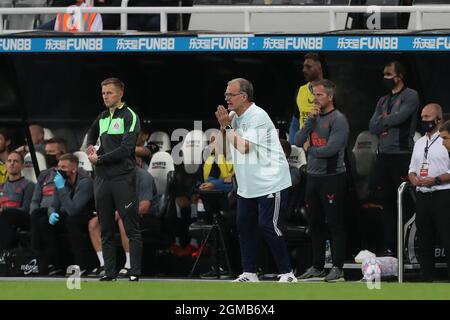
[265, 214]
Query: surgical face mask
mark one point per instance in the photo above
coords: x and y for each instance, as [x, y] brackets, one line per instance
[429, 126]
[51, 160]
[389, 84]
[64, 174]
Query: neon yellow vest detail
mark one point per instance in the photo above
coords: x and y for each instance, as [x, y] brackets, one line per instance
[305, 102]
[226, 167]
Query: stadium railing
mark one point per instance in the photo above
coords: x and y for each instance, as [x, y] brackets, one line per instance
[400, 248]
[247, 12]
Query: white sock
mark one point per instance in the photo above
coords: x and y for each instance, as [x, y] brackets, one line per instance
[127, 262]
[100, 258]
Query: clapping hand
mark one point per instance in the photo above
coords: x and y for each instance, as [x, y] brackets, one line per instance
[92, 154]
[222, 116]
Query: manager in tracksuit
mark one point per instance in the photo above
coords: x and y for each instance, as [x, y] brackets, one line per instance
[327, 130]
[115, 185]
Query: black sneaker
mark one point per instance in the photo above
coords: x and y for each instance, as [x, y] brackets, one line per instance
[212, 274]
[97, 272]
[388, 253]
[313, 274]
[108, 278]
[336, 274]
[133, 278]
[54, 270]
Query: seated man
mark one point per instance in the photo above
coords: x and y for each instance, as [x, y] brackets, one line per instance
[44, 192]
[15, 199]
[145, 149]
[217, 174]
[71, 208]
[148, 209]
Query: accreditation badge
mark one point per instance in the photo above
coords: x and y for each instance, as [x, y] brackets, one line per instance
[424, 169]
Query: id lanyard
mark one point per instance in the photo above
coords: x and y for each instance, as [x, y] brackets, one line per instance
[424, 167]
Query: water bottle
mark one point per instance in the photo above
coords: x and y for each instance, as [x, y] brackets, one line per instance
[328, 257]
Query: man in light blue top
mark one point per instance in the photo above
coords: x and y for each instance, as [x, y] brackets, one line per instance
[263, 178]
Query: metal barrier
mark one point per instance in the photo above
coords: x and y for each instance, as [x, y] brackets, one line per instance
[247, 11]
[400, 249]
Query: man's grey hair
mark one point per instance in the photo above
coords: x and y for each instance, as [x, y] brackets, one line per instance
[245, 86]
[329, 86]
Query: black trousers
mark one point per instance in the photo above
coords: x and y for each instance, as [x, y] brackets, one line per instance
[389, 172]
[432, 219]
[119, 193]
[10, 220]
[45, 236]
[36, 237]
[325, 200]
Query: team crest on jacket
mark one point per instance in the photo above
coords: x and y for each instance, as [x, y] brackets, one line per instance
[330, 198]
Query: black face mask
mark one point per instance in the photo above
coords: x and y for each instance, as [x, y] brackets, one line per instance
[389, 84]
[64, 174]
[429, 126]
[51, 160]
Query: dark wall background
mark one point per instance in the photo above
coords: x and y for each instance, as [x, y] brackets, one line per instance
[173, 90]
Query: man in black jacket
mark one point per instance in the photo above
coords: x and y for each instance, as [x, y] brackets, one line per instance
[115, 177]
[70, 210]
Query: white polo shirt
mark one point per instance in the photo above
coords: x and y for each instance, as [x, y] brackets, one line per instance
[264, 169]
[438, 160]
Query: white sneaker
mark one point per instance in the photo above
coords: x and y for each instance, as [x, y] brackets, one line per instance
[287, 277]
[124, 272]
[247, 277]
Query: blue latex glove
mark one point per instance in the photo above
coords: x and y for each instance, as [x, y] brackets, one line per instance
[53, 218]
[59, 180]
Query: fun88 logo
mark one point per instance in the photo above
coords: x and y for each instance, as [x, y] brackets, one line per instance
[372, 273]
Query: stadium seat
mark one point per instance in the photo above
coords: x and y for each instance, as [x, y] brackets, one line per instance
[32, 3]
[161, 139]
[417, 136]
[20, 22]
[297, 157]
[28, 170]
[83, 161]
[44, 18]
[160, 165]
[24, 21]
[69, 136]
[364, 151]
[48, 134]
[40, 159]
[6, 4]
[84, 146]
[192, 149]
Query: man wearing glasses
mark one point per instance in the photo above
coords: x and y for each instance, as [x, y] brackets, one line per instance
[263, 177]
